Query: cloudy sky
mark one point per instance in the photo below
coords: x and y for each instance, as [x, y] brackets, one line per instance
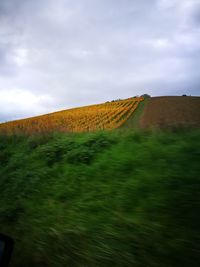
[57, 54]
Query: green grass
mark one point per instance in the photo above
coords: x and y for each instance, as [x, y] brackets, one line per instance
[102, 199]
[133, 121]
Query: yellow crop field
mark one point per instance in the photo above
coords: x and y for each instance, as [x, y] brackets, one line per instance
[109, 115]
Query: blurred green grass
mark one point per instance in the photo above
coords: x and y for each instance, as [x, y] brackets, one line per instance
[118, 198]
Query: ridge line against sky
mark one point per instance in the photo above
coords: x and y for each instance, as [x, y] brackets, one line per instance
[61, 54]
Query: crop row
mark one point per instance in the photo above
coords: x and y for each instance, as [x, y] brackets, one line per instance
[109, 115]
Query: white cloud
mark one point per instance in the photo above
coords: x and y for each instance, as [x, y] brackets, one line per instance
[166, 4]
[17, 103]
[160, 43]
[20, 56]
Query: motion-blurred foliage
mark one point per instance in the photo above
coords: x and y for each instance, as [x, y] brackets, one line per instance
[121, 198]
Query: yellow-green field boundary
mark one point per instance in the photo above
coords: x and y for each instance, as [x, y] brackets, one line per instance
[133, 121]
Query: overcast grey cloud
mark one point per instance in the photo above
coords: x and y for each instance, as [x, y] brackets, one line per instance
[66, 53]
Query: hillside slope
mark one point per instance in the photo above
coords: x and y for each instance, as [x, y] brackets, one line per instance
[171, 110]
[161, 112]
[109, 115]
[118, 198]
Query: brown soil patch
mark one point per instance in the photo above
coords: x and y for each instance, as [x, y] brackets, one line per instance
[170, 111]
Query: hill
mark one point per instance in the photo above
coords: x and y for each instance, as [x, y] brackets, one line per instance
[104, 198]
[159, 112]
[109, 115]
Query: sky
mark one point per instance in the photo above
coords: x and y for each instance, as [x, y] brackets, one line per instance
[58, 54]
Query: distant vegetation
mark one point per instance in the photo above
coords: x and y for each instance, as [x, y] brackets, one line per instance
[145, 96]
[119, 198]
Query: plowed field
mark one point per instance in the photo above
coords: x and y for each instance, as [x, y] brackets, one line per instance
[170, 111]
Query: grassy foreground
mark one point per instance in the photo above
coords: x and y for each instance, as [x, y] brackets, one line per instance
[102, 199]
